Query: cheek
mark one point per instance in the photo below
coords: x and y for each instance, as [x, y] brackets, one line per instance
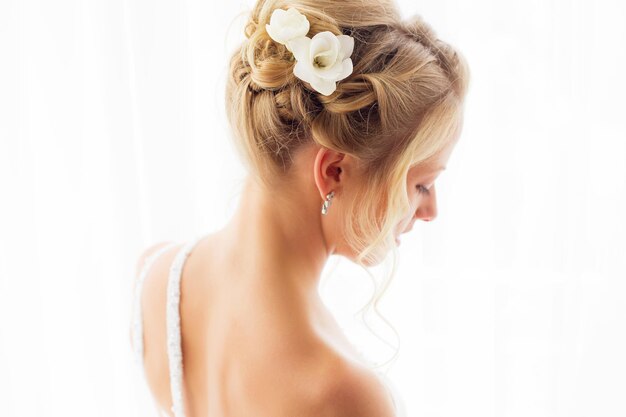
[414, 202]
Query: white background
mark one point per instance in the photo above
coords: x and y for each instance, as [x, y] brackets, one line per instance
[113, 137]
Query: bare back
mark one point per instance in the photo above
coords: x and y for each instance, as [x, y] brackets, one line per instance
[245, 350]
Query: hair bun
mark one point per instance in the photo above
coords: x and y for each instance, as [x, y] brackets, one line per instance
[268, 63]
[449, 57]
[421, 31]
[376, 112]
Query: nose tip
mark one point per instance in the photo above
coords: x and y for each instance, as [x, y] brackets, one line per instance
[428, 214]
[428, 217]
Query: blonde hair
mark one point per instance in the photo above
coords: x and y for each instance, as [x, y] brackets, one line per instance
[401, 104]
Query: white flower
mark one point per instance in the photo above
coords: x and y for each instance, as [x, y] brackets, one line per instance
[286, 25]
[323, 60]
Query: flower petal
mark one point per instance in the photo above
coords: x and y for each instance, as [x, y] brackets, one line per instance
[327, 45]
[304, 71]
[325, 87]
[272, 32]
[346, 69]
[287, 24]
[300, 47]
[278, 16]
[330, 73]
[289, 33]
[299, 21]
[347, 45]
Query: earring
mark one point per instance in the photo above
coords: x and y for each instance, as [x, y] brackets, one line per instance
[326, 204]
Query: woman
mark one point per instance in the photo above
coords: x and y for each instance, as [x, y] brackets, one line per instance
[344, 115]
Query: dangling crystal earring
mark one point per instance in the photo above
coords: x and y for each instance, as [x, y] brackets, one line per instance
[326, 204]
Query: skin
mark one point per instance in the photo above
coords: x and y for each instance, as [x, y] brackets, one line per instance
[424, 203]
[252, 320]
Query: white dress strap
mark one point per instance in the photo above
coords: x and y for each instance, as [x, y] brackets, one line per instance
[174, 347]
[137, 312]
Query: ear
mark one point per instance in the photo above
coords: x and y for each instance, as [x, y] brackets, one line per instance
[328, 170]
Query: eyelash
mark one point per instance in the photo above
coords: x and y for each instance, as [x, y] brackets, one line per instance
[422, 189]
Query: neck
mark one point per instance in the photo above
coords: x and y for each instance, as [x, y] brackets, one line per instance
[277, 238]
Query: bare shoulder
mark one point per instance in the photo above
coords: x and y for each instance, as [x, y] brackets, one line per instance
[350, 390]
[140, 263]
[315, 381]
[357, 392]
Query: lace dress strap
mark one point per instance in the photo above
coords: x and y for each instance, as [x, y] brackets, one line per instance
[137, 312]
[174, 347]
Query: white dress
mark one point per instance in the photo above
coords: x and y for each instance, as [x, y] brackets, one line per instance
[174, 351]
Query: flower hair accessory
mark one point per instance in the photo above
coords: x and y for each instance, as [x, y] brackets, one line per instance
[322, 60]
